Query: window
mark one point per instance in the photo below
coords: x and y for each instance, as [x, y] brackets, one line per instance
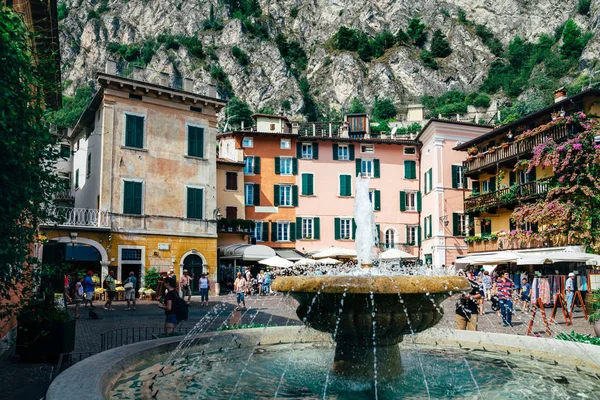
[486, 227]
[134, 131]
[459, 224]
[410, 170]
[77, 178]
[195, 141]
[307, 228]
[132, 198]
[411, 201]
[390, 238]
[248, 142]
[88, 166]
[428, 184]
[428, 226]
[249, 165]
[195, 203]
[131, 254]
[307, 151]
[286, 144]
[457, 177]
[231, 181]
[410, 150]
[65, 151]
[257, 232]
[249, 194]
[283, 231]
[285, 195]
[366, 168]
[375, 199]
[343, 152]
[411, 235]
[345, 185]
[308, 185]
[367, 148]
[286, 165]
[231, 213]
[345, 228]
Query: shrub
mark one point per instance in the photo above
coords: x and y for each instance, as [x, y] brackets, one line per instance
[573, 41]
[383, 41]
[73, 107]
[294, 12]
[223, 85]
[583, 7]
[356, 107]
[286, 105]
[309, 109]
[462, 17]
[238, 111]
[212, 22]
[293, 54]
[63, 11]
[416, 32]
[152, 277]
[241, 57]
[243, 8]
[439, 45]
[402, 37]
[383, 109]
[428, 60]
[487, 37]
[482, 100]
[92, 14]
[193, 46]
[345, 39]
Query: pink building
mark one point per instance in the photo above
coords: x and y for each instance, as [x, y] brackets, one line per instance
[444, 223]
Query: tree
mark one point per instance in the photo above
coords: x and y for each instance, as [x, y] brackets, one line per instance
[416, 32]
[238, 112]
[583, 7]
[402, 38]
[573, 41]
[356, 107]
[241, 56]
[383, 109]
[428, 60]
[28, 151]
[439, 45]
[345, 39]
[73, 107]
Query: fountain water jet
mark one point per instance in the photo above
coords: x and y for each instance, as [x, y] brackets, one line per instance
[371, 323]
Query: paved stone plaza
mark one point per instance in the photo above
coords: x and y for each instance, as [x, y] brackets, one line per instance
[30, 380]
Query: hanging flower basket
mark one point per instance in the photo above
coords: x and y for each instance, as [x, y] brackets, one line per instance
[472, 151]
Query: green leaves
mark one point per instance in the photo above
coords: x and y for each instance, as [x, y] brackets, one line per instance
[439, 45]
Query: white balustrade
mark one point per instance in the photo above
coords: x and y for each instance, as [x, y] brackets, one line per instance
[71, 216]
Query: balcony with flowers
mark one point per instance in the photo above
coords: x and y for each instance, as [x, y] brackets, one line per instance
[517, 239]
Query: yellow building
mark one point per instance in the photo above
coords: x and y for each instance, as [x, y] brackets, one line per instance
[497, 163]
[143, 180]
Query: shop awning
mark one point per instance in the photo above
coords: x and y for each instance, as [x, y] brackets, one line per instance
[246, 252]
[553, 257]
[489, 259]
[289, 254]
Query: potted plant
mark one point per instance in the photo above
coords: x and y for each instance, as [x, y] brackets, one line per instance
[472, 151]
[492, 150]
[594, 316]
[505, 145]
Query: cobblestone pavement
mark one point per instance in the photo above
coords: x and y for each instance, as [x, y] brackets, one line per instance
[30, 380]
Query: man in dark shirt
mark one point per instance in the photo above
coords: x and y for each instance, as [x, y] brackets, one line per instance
[467, 309]
[170, 305]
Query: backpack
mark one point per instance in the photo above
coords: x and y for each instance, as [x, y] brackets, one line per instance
[181, 309]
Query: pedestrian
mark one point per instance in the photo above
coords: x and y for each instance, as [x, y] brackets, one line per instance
[78, 296]
[487, 285]
[130, 286]
[169, 305]
[67, 287]
[452, 268]
[185, 285]
[248, 276]
[239, 286]
[505, 289]
[525, 293]
[111, 290]
[266, 288]
[261, 280]
[570, 290]
[467, 308]
[88, 287]
[479, 281]
[204, 284]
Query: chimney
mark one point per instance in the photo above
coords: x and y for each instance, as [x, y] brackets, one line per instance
[560, 94]
[111, 67]
[415, 113]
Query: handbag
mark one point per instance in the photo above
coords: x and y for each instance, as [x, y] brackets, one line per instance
[128, 285]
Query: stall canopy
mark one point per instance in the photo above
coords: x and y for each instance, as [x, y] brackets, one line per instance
[289, 254]
[276, 261]
[335, 252]
[306, 262]
[246, 252]
[489, 259]
[394, 254]
[530, 257]
[328, 261]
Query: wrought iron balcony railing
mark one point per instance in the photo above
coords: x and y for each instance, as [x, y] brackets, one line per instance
[235, 226]
[79, 217]
[507, 196]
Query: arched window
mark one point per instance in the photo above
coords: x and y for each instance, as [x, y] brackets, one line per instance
[390, 238]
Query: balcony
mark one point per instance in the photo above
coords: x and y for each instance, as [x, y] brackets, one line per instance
[78, 217]
[507, 196]
[235, 226]
[494, 243]
[515, 149]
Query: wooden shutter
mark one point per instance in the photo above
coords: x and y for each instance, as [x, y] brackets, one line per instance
[402, 201]
[129, 130]
[419, 201]
[337, 228]
[256, 193]
[430, 177]
[139, 132]
[195, 141]
[351, 152]
[378, 233]
[137, 197]
[256, 165]
[231, 213]
[304, 184]
[353, 229]
[273, 231]
[265, 231]
[358, 167]
[294, 166]
[455, 227]
[191, 203]
[492, 185]
[311, 184]
[231, 181]
[127, 196]
[430, 226]
[407, 170]
[277, 165]
[317, 228]
[512, 178]
[295, 195]
[419, 235]
[299, 227]
[315, 149]
[298, 150]
[335, 151]
[292, 231]
[377, 200]
[475, 187]
[276, 195]
[376, 168]
[454, 180]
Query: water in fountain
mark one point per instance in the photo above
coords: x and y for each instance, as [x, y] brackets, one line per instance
[365, 223]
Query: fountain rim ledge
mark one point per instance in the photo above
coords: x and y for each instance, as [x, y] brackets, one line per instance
[97, 374]
[352, 284]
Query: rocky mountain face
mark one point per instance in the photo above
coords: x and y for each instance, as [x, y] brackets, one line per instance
[92, 30]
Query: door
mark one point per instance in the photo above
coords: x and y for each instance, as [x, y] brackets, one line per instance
[137, 271]
[193, 263]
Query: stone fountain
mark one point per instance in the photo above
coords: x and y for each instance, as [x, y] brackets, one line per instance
[368, 313]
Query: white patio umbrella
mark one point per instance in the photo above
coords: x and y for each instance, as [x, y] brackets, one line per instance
[276, 261]
[305, 262]
[328, 261]
[393, 254]
[335, 252]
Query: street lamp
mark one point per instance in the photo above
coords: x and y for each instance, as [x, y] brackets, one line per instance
[217, 213]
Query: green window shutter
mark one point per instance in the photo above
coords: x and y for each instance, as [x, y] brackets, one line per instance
[358, 165]
[454, 180]
[410, 169]
[200, 203]
[292, 231]
[402, 201]
[298, 150]
[257, 165]
[127, 196]
[335, 151]
[129, 130]
[315, 149]
[256, 190]
[295, 196]
[512, 178]
[343, 185]
[265, 231]
[195, 202]
[77, 178]
[277, 165]
[419, 201]
[455, 227]
[139, 132]
[304, 184]
[425, 182]
[406, 233]
[273, 231]
[311, 184]
[294, 166]
[191, 141]
[317, 228]
[430, 226]
[430, 179]
[419, 235]
[492, 184]
[191, 202]
[298, 227]
[377, 234]
[376, 168]
[353, 229]
[195, 141]
[132, 198]
[351, 151]
[475, 187]
[276, 195]
[337, 228]
[348, 185]
[377, 195]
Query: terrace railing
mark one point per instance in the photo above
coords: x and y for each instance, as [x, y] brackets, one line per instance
[79, 217]
[507, 196]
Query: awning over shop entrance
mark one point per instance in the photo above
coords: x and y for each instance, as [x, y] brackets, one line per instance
[528, 257]
[246, 252]
[291, 255]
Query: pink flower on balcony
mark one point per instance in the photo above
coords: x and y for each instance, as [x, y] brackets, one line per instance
[577, 146]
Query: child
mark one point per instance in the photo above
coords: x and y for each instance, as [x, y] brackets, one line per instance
[78, 296]
[525, 294]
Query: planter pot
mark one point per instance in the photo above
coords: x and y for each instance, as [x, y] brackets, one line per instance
[47, 340]
[596, 326]
[504, 145]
